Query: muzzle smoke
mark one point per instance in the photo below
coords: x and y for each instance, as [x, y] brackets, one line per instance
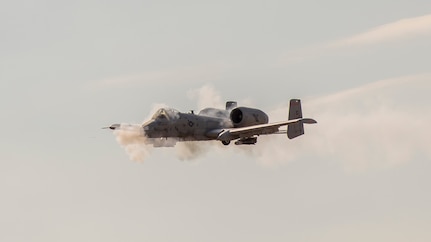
[139, 148]
[132, 139]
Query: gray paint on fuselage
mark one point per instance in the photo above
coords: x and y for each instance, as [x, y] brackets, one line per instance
[186, 126]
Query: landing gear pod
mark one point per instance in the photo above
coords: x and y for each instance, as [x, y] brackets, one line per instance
[246, 141]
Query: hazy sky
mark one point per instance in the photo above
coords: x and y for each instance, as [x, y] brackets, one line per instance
[361, 68]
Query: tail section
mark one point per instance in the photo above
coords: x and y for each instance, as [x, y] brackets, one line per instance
[295, 112]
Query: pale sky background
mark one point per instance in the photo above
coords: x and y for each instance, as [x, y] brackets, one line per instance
[361, 68]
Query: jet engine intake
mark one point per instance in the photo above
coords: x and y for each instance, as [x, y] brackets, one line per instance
[242, 117]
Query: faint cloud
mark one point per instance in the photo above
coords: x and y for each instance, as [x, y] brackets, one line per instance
[398, 30]
[404, 28]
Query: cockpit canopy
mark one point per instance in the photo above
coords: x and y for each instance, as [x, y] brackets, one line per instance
[166, 114]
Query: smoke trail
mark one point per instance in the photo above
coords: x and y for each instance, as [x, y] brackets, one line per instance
[377, 125]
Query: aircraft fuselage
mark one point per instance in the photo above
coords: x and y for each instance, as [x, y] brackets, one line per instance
[185, 126]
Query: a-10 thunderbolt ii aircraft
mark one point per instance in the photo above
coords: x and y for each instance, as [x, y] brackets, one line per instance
[239, 124]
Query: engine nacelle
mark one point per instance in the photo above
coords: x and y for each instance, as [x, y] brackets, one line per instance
[242, 117]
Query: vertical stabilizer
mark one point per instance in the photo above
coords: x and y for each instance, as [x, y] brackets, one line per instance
[230, 105]
[295, 112]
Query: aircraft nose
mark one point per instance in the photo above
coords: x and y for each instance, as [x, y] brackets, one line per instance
[148, 127]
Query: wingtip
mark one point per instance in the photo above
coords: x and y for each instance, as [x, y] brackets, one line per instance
[309, 121]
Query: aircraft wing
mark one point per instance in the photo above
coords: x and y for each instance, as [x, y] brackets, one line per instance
[261, 129]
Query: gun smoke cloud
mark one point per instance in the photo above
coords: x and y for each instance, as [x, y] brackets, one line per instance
[381, 124]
